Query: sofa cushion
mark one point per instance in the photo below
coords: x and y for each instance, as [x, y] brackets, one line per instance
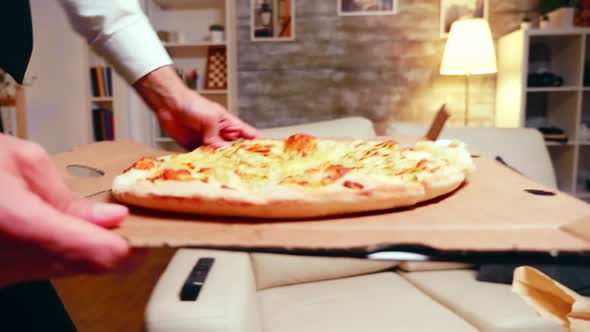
[490, 307]
[382, 302]
[357, 127]
[522, 148]
[281, 270]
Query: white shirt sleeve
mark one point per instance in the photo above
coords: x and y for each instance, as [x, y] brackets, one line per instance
[119, 31]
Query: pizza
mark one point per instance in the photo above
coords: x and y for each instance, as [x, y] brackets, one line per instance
[300, 177]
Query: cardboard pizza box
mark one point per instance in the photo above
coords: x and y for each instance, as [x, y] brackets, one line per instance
[499, 215]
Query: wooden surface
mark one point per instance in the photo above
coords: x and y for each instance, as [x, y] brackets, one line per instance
[116, 302]
[21, 112]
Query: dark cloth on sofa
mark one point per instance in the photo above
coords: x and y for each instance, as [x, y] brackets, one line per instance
[577, 278]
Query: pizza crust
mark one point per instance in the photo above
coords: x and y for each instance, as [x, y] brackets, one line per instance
[311, 205]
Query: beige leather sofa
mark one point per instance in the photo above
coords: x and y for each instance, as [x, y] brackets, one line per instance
[279, 293]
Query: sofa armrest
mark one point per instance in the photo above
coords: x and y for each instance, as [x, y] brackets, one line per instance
[227, 300]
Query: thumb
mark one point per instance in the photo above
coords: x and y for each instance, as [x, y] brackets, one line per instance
[103, 214]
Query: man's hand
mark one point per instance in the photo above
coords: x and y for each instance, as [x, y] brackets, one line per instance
[187, 117]
[46, 230]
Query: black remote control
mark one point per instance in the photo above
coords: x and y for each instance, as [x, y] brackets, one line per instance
[196, 279]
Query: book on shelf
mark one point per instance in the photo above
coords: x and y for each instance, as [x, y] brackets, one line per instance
[103, 124]
[101, 81]
[109, 79]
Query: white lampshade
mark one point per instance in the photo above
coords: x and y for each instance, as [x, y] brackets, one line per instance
[470, 49]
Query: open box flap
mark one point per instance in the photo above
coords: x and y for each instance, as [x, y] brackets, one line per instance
[492, 212]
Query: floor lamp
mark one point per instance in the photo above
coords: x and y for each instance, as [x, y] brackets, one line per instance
[469, 51]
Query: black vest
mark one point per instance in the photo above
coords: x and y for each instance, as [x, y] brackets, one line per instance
[17, 37]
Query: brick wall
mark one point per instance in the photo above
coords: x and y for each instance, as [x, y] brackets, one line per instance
[381, 67]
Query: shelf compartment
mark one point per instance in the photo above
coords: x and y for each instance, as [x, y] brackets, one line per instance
[553, 89]
[583, 178]
[188, 21]
[568, 143]
[553, 109]
[563, 162]
[192, 44]
[548, 51]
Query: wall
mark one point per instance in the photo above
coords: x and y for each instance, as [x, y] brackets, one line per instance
[57, 91]
[381, 67]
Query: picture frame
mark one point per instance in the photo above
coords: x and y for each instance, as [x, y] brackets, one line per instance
[367, 7]
[272, 20]
[453, 10]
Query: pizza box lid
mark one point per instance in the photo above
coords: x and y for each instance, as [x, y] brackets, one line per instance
[498, 215]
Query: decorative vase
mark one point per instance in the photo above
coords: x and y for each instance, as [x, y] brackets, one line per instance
[217, 37]
[266, 14]
[217, 34]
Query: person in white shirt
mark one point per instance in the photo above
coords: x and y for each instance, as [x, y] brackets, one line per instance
[46, 230]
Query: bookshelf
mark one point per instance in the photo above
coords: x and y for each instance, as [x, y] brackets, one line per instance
[564, 52]
[107, 101]
[189, 22]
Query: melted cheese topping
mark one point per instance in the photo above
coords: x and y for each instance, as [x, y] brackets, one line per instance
[301, 161]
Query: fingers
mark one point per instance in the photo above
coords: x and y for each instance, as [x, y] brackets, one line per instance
[230, 134]
[233, 128]
[211, 135]
[82, 245]
[203, 117]
[43, 179]
[248, 131]
[184, 136]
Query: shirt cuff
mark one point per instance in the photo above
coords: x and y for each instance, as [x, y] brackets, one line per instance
[134, 50]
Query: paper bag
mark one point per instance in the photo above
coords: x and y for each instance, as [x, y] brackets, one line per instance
[551, 299]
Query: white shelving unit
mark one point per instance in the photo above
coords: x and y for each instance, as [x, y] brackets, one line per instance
[191, 20]
[563, 52]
